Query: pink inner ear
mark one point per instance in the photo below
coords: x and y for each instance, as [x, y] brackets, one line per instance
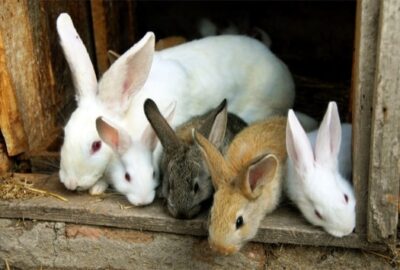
[254, 176]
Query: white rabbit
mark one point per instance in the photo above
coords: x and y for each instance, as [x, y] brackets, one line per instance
[132, 170]
[317, 180]
[83, 157]
[197, 75]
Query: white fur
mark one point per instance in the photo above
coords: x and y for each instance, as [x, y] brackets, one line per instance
[198, 75]
[318, 172]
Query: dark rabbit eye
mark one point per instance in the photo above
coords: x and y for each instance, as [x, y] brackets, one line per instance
[346, 198]
[127, 177]
[318, 214]
[196, 188]
[96, 146]
[239, 222]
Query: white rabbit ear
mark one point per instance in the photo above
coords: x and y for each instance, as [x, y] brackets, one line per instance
[298, 146]
[127, 74]
[149, 136]
[78, 59]
[117, 138]
[329, 136]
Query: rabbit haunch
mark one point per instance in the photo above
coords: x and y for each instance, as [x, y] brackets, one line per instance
[248, 182]
[196, 75]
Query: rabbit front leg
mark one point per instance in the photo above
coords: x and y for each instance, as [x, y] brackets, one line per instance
[99, 187]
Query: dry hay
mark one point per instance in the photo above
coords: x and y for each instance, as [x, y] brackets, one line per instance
[19, 187]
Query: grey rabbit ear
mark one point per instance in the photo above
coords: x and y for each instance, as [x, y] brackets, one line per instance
[112, 56]
[164, 131]
[214, 126]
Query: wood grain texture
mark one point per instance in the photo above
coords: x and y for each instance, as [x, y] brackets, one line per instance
[11, 125]
[385, 142]
[283, 226]
[362, 92]
[5, 160]
[113, 28]
[35, 62]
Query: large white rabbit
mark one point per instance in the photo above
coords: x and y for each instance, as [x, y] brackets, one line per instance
[197, 75]
[318, 172]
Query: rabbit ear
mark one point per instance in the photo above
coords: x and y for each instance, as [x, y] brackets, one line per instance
[127, 74]
[217, 166]
[258, 174]
[329, 136]
[149, 136]
[117, 139]
[112, 56]
[298, 146]
[214, 126]
[164, 131]
[82, 71]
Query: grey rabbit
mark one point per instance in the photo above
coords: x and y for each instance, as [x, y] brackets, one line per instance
[186, 182]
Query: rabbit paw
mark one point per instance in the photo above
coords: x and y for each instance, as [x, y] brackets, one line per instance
[98, 188]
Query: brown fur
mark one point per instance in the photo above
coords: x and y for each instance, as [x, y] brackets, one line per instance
[232, 198]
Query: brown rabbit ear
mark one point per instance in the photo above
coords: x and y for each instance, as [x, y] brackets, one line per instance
[259, 173]
[217, 166]
[164, 131]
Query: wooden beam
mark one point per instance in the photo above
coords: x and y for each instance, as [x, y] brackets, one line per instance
[11, 125]
[385, 143]
[113, 28]
[285, 225]
[362, 92]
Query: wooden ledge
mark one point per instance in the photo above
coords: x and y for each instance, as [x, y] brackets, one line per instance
[283, 226]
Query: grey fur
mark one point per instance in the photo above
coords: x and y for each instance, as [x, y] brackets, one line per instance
[182, 166]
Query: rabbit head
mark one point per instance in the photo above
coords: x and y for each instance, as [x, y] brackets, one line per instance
[83, 156]
[322, 194]
[241, 196]
[132, 172]
[186, 181]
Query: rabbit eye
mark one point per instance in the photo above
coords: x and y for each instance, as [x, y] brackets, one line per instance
[239, 222]
[318, 214]
[127, 177]
[346, 198]
[96, 146]
[196, 188]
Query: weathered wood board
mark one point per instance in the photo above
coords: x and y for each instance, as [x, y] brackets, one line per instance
[362, 92]
[11, 126]
[39, 77]
[385, 142]
[283, 226]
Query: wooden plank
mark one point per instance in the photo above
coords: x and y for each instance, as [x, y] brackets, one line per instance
[113, 28]
[11, 125]
[283, 226]
[34, 59]
[362, 92]
[385, 143]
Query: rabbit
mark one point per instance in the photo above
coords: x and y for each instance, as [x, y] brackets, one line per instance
[195, 74]
[247, 181]
[186, 183]
[318, 166]
[134, 177]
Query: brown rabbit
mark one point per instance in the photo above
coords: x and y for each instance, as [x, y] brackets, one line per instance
[248, 182]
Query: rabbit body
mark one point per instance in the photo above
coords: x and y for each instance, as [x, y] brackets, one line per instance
[186, 183]
[248, 182]
[318, 169]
